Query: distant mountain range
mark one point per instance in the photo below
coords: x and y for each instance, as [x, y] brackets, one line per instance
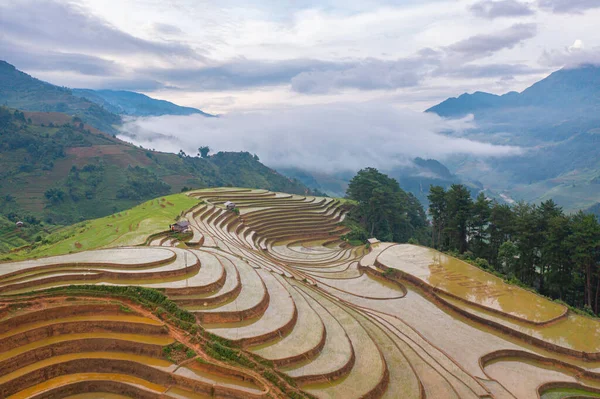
[573, 92]
[21, 91]
[123, 102]
[557, 123]
[100, 108]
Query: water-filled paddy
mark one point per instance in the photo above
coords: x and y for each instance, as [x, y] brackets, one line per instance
[576, 332]
[422, 343]
[123, 257]
[525, 376]
[565, 393]
[108, 318]
[195, 372]
[73, 378]
[451, 275]
[97, 395]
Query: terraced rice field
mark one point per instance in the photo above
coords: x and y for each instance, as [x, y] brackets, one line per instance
[390, 321]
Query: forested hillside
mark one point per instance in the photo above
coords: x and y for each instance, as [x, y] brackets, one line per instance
[556, 121]
[383, 210]
[536, 245]
[61, 170]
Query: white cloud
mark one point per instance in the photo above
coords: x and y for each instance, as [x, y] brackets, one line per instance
[572, 56]
[327, 138]
[577, 45]
[259, 53]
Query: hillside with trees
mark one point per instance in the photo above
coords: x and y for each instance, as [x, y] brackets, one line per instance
[383, 210]
[555, 122]
[539, 246]
[66, 171]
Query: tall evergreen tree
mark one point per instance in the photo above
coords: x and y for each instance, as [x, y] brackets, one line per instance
[438, 213]
[459, 204]
[586, 245]
[479, 223]
[557, 254]
[385, 210]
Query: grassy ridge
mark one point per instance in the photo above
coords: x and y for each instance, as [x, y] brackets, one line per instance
[129, 227]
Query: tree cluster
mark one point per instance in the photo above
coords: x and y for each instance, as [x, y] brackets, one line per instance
[538, 245]
[142, 183]
[384, 210]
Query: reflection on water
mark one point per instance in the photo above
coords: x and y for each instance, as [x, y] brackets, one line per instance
[160, 340]
[575, 332]
[72, 378]
[195, 372]
[108, 318]
[564, 393]
[97, 395]
[469, 282]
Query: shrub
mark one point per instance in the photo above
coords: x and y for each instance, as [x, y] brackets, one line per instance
[482, 263]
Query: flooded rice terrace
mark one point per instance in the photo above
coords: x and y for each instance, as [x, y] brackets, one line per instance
[276, 282]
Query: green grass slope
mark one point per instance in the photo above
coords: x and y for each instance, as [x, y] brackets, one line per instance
[130, 227]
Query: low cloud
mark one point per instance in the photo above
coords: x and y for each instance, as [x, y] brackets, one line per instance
[487, 44]
[370, 74]
[326, 138]
[489, 71]
[239, 73]
[568, 6]
[48, 60]
[166, 29]
[503, 8]
[572, 56]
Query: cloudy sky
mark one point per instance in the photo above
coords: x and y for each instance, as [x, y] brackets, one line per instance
[326, 85]
[233, 55]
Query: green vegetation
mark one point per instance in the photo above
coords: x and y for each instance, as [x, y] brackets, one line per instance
[176, 352]
[384, 210]
[142, 183]
[13, 237]
[538, 246]
[125, 228]
[67, 173]
[561, 393]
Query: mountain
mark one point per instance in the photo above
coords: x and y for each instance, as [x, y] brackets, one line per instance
[123, 102]
[572, 92]
[21, 91]
[556, 121]
[60, 170]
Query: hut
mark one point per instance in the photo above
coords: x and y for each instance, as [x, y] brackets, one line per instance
[229, 205]
[19, 224]
[180, 227]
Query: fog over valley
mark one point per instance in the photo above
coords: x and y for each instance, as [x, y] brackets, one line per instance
[327, 138]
